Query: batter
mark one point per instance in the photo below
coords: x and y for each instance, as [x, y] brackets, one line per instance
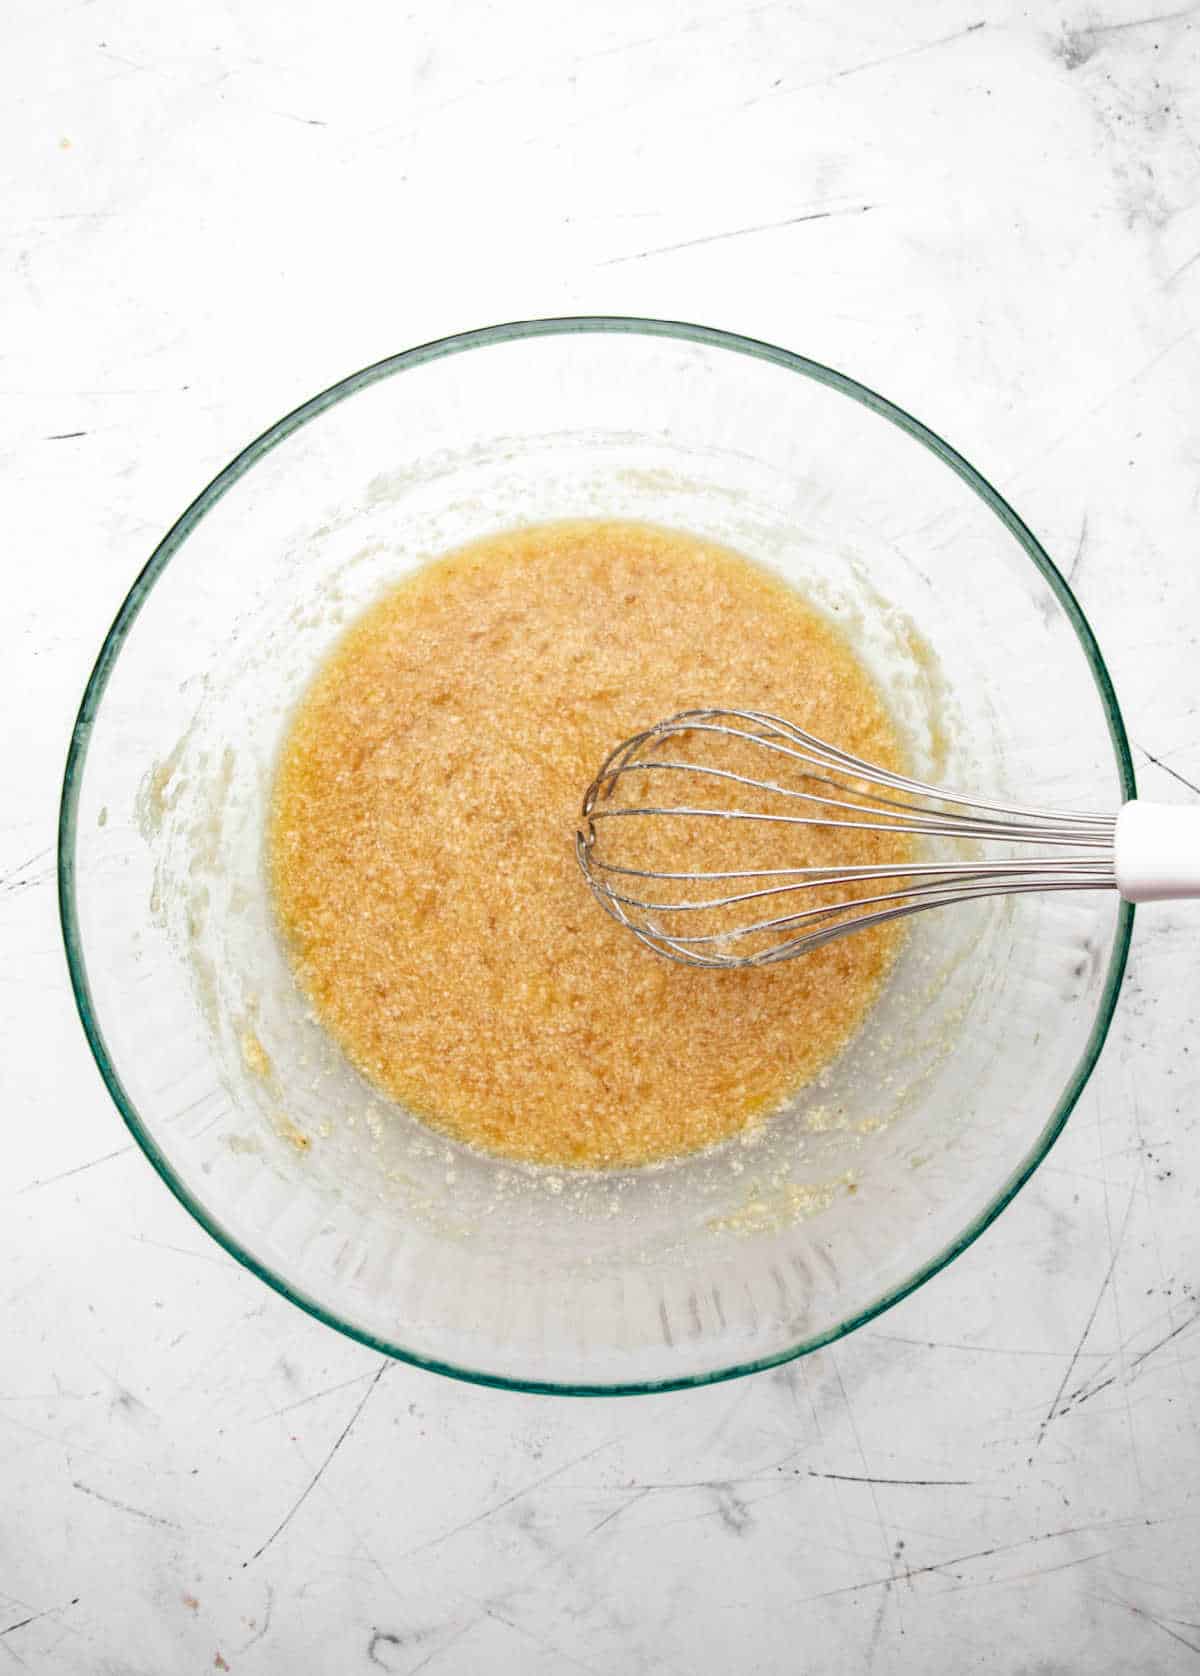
[421, 844]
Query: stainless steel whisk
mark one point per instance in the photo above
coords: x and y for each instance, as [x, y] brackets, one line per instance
[1146, 851]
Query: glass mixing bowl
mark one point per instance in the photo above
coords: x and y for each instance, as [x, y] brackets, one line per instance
[715, 1265]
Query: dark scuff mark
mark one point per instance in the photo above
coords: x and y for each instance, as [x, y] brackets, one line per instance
[128, 1403]
[1075, 48]
[732, 1510]
[389, 1638]
[287, 1371]
[382, 1637]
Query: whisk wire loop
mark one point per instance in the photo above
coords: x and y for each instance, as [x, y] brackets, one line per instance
[830, 790]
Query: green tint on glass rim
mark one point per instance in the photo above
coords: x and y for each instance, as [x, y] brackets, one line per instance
[121, 1073]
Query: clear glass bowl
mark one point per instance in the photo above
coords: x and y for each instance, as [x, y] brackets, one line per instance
[714, 1265]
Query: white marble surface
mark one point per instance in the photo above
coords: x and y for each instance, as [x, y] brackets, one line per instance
[992, 214]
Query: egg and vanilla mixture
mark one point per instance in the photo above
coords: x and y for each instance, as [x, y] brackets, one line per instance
[421, 845]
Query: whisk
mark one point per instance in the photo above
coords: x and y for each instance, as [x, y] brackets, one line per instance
[1146, 851]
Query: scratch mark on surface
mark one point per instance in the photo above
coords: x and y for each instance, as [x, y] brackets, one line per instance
[446, 1645]
[631, 1501]
[1181, 269]
[878, 1511]
[266, 1623]
[120, 58]
[64, 436]
[568, 63]
[862, 1455]
[125, 1507]
[1073, 570]
[1137, 376]
[1085, 1392]
[1141, 22]
[316, 1477]
[1095, 1310]
[34, 1617]
[737, 233]
[1079, 424]
[1134, 1452]
[909, 52]
[196, 1104]
[1166, 1339]
[674, 34]
[1078, 46]
[863, 1478]
[51, 1437]
[494, 1613]
[179, 1250]
[498, 1507]
[965, 1559]
[1140, 1612]
[315, 1396]
[877, 1629]
[78, 1169]
[1025, 1576]
[728, 1417]
[51, 1396]
[1167, 769]
[23, 876]
[731, 1510]
[72, 215]
[978, 1349]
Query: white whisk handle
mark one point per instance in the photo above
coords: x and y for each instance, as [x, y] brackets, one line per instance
[1157, 851]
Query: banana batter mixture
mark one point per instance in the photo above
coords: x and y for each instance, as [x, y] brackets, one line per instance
[421, 844]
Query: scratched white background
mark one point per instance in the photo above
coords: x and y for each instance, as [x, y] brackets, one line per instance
[990, 213]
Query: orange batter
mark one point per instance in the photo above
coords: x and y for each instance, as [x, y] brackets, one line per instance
[421, 844]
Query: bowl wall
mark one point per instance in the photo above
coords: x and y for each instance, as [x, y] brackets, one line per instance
[685, 1272]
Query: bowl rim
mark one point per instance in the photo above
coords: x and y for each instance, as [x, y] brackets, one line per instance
[174, 539]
